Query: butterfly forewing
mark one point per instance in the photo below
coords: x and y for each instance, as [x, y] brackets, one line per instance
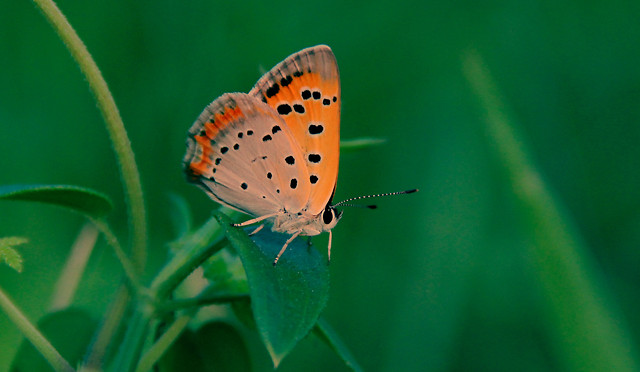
[304, 90]
[242, 153]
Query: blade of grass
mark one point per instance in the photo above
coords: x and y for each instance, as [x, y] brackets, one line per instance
[326, 333]
[584, 321]
[115, 127]
[69, 279]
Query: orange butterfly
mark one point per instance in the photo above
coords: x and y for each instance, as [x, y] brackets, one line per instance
[273, 153]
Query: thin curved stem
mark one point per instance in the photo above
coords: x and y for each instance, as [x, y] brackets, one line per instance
[127, 265]
[115, 127]
[57, 362]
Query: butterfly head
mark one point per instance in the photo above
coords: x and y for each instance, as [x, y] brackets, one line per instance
[329, 217]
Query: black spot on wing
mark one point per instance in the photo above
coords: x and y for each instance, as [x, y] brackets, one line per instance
[284, 109]
[315, 129]
[298, 108]
[286, 80]
[315, 158]
[272, 90]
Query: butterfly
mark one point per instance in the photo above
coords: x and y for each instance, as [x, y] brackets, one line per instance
[273, 153]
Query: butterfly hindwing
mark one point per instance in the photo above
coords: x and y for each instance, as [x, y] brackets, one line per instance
[242, 153]
[304, 90]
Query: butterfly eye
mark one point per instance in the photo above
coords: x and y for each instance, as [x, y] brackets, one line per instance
[327, 216]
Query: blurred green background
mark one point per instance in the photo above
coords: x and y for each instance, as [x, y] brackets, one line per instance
[440, 280]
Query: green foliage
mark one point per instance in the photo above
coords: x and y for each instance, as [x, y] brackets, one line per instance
[286, 299]
[79, 199]
[8, 254]
[215, 346]
[326, 333]
[476, 272]
[226, 273]
[69, 331]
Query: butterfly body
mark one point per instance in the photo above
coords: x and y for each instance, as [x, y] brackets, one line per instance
[273, 153]
[306, 223]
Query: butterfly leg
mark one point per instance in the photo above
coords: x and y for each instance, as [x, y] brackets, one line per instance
[256, 230]
[255, 220]
[275, 262]
[329, 249]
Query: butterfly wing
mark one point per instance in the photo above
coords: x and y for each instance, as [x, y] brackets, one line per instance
[242, 153]
[304, 90]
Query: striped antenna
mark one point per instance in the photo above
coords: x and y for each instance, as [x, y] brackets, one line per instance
[371, 196]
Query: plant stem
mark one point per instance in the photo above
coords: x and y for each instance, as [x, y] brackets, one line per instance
[129, 351]
[196, 249]
[192, 305]
[155, 352]
[115, 127]
[57, 362]
[129, 269]
[202, 300]
[104, 336]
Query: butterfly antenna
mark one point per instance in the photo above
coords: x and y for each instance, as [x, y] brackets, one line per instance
[372, 206]
[371, 196]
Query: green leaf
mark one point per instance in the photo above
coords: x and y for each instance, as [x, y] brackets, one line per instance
[286, 299]
[69, 331]
[80, 199]
[9, 255]
[326, 333]
[360, 143]
[216, 346]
